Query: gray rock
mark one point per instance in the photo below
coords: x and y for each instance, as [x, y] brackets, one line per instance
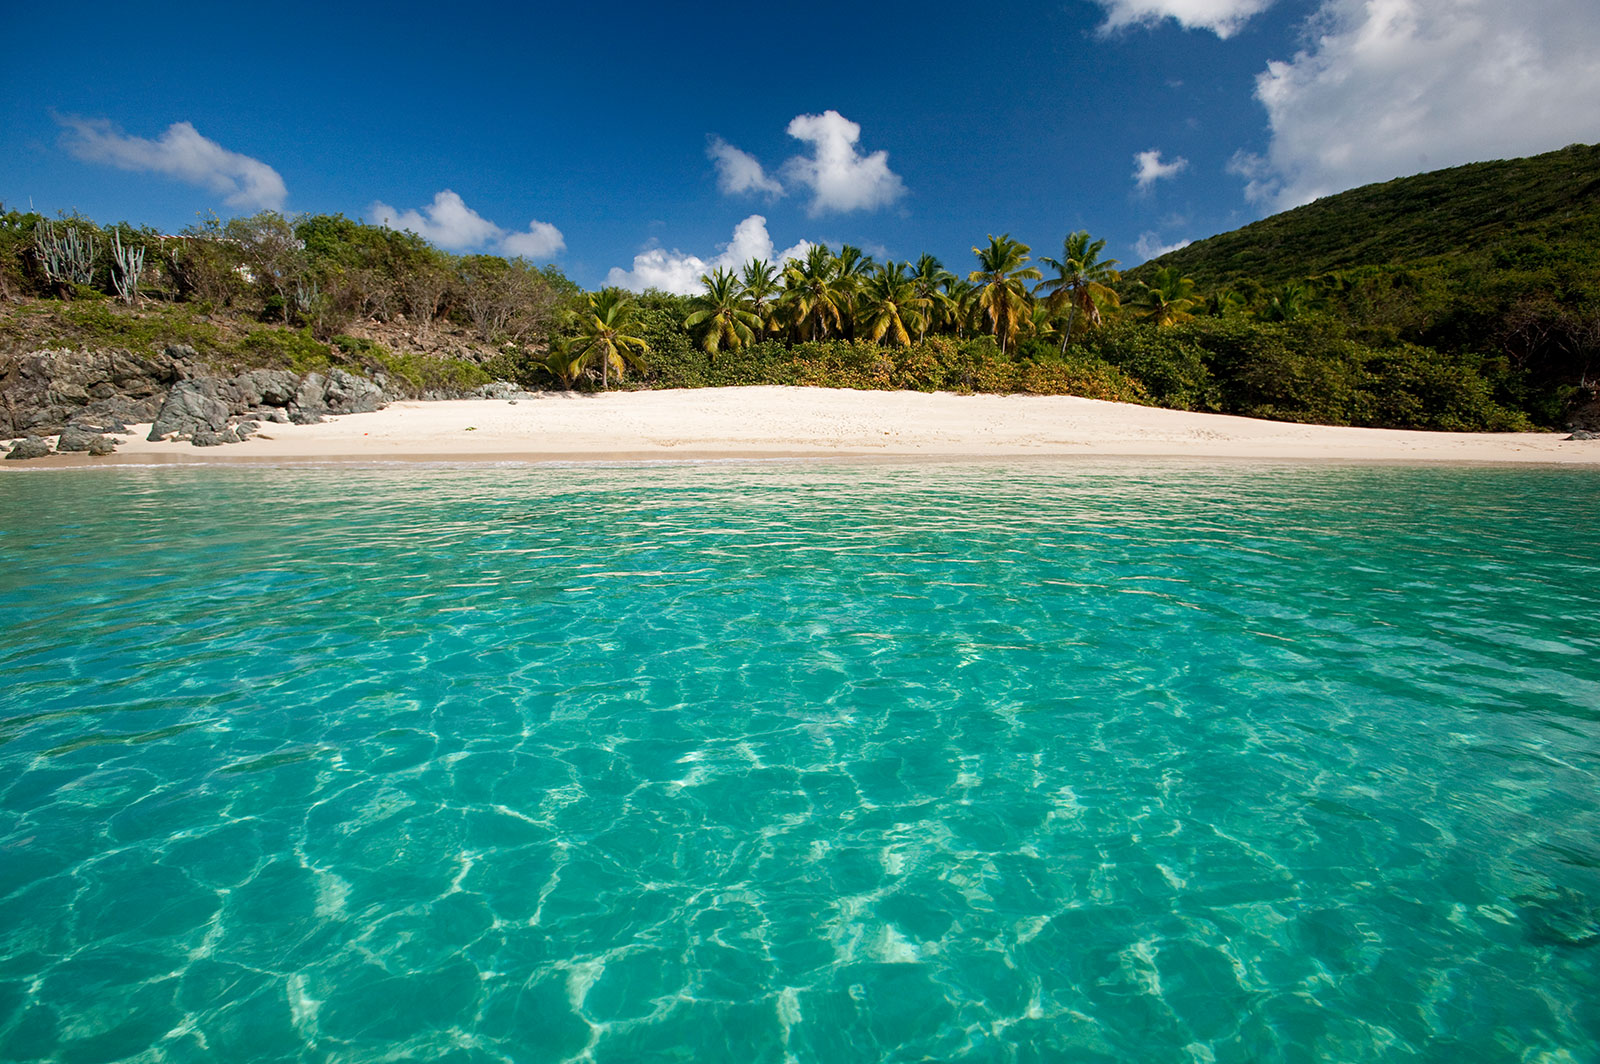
[247, 428]
[32, 447]
[205, 438]
[345, 393]
[257, 389]
[190, 410]
[74, 438]
[41, 392]
[101, 446]
[310, 400]
[1584, 434]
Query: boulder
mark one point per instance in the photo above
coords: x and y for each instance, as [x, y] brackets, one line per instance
[189, 409]
[32, 447]
[1584, 434]
[100, 446]
[75, 438]
[345, 393]
[206, 438]
[256, 389]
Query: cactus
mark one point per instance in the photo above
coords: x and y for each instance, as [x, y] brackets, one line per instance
[305, 298]
[66, 254]
[127, 264]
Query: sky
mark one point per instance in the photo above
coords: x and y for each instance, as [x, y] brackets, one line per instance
[644, 144]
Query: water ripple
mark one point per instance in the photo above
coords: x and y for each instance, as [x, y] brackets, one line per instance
[795, 762]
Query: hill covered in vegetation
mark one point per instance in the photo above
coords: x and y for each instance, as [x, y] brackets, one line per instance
[1545, 208]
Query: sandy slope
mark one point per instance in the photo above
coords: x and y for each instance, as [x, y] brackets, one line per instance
[772, 422]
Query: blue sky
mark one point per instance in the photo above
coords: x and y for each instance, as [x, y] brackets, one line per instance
[643, 143]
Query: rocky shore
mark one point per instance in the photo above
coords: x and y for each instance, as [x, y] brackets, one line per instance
[86, 398]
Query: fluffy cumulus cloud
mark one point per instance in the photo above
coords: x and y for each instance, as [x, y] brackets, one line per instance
[740, 172]
[839, 176]
[679, 273]
[1396, 87]
[1222, 17]
[541, 241]
[180, 152]
[1149, 246]
[1149, 167]
[452, 225]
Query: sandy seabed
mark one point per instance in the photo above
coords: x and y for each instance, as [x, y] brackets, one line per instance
[774, 422]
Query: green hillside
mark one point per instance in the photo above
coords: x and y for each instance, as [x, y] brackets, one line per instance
[1491, 269]
[1544, 208]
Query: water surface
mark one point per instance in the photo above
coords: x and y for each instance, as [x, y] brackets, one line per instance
[1078, 761]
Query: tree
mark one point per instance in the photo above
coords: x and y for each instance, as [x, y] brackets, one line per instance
[272, 253]
[960, 300]
[854, 268]
[891, 307]
[1082, 281]
[606, 336]
[506, 300]
[723, 313]
[760, 288]
[1168, 298]
[812, 293]
[1288, 302]
[929, 278]
[1002, 297]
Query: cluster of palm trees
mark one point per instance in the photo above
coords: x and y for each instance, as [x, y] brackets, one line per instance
[826, 295]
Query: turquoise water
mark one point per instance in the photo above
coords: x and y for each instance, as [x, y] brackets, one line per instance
[1042, 762]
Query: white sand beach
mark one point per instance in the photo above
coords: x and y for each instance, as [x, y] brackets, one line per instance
[771, 422]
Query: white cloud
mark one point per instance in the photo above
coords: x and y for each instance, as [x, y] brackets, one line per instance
[739, 171]
[1148, 168]
[447, 222]
[452, 225]
[1149, 246]
[181, 152]
[1397, 87]
[839, 176]
[541, 241]
[676, 272]
[1222, 17]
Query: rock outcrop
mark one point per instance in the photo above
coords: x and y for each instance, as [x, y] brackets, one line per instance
[41, 392]
[32, 447]
[85, 394]
[191, 408]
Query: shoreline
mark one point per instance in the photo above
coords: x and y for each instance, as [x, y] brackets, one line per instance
[790, 423]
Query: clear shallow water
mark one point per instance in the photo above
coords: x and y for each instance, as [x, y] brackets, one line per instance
[1081, 762]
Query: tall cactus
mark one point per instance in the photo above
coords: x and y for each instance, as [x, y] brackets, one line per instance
[127, 264]
[65, 252]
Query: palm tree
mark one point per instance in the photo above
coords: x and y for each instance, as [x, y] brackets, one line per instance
[725, 313]
[891, 307]
[1225, 302]
[1002, 297]
[1081, 283]
[759, 285]
[813, 294]
[560, 363]
[606, 335]
[1168, 298]
[1289, 302]
[929, 277]
[855, 267]
[960, 301]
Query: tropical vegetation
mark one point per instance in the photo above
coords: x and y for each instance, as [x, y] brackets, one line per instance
[1465, 299]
